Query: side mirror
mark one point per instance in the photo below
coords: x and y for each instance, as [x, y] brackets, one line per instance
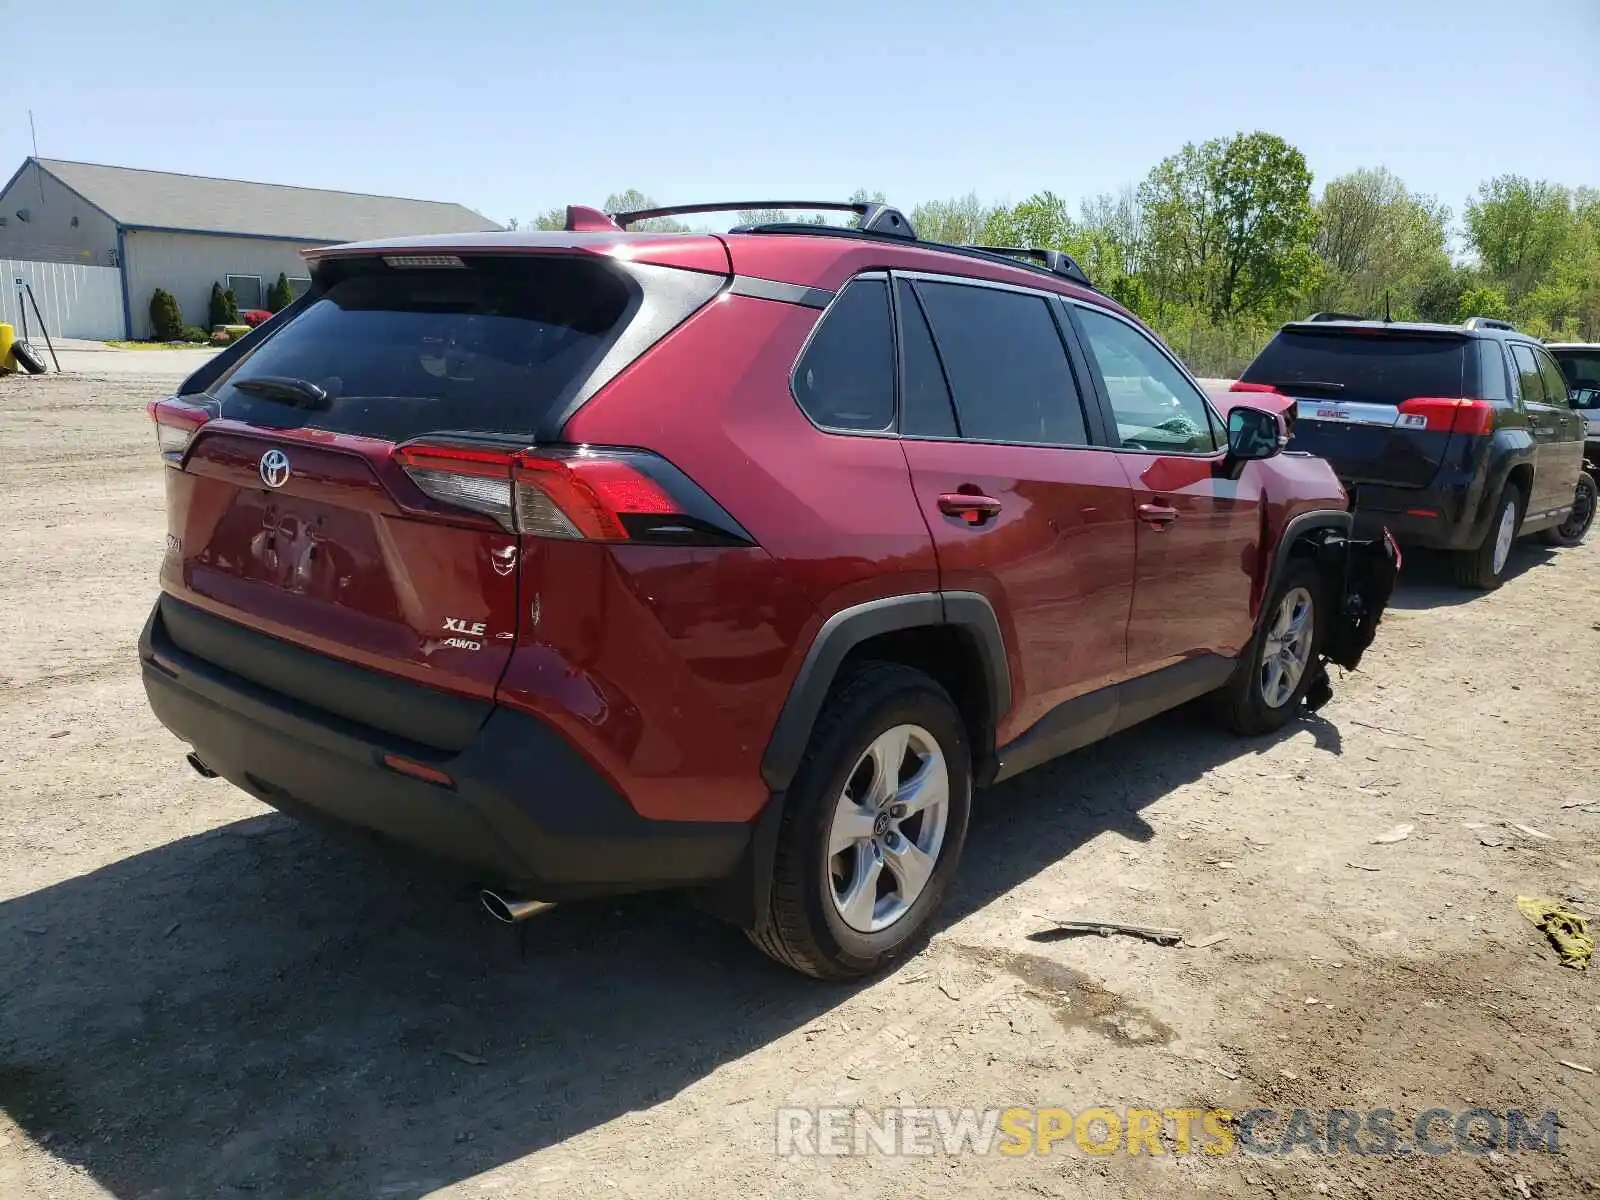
[1255, 433]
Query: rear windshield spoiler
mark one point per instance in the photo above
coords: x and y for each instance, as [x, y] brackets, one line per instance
[690, 252]
[1337, 329]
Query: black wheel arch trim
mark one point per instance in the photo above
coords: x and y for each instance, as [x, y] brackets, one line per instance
[847, 629]
[1299, 526]
[1504, 458]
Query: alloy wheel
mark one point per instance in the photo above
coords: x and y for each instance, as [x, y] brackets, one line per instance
[1286, 650]
[888, 827]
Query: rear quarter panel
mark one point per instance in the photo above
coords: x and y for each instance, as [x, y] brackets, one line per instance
[668, 667]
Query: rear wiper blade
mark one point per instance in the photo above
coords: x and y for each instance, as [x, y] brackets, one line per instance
[301, 393]
[1310, 385]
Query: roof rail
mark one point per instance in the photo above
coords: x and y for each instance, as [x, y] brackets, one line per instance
[1335, 316]
[1487, 323]
[1057, 262]
[875, 218]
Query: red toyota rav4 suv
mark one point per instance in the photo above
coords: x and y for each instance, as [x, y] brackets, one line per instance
[602, 561]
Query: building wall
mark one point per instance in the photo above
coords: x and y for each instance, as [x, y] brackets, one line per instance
[75, 301]
[48, 235]
[187, 264]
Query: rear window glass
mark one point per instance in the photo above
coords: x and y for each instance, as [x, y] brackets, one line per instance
[1581, 367]
[845, 379]
[1371, 368]
[488, 348]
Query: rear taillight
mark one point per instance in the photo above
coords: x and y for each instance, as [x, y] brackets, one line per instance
[463, 477]
[594, 493]
[176, 422]
[1241, 386]
[1447, 414]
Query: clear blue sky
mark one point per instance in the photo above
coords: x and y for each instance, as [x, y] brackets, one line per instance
[516, 107]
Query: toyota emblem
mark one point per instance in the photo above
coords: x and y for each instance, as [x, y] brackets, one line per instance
[274, 468]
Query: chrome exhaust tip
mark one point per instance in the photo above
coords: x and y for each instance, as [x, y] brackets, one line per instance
[200, 768]
[511, 911]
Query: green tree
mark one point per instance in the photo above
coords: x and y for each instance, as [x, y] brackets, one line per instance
[220, 309]
[555, 218]
[1375, 238]
[1230, 225]
[1438, 296]
[280, 295]
[1483, 300]
[957, 222]
[1039, 222]
[166, 319]
[1520, 230]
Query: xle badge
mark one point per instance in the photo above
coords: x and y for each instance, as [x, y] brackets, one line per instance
[459, 626]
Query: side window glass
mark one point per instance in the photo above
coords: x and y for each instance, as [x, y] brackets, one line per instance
[845, 378]
[1555, 383]
[1006, 365]
[1492, 371]
[1156, 406]
[1532, 386]
[925, 400]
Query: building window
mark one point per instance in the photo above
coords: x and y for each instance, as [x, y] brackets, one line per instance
[247, 293]
[298, 287]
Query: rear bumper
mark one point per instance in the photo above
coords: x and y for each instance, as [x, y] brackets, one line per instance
[526, 811]
[1444, 516]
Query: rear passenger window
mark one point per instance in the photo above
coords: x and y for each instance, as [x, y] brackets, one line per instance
[1555, 383]
[925, 400]
[1006, 365]
[1532, 386]
[845, 378]
[1492, 360]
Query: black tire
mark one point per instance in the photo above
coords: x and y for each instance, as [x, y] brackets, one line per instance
[1475, 568]
[1241, 703]
[804, 927]
[1572, 531]
[27, 358]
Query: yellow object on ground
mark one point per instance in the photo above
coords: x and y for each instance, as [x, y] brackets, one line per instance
[1567, 931]
[8, 335]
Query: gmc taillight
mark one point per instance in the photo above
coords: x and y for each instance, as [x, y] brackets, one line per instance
[1448, 414]
[176, 422]
[594, 493]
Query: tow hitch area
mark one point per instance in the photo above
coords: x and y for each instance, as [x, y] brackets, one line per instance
[1367, 569]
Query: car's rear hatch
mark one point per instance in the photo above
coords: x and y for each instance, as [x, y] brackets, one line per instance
[1374, 401]
[343, 487]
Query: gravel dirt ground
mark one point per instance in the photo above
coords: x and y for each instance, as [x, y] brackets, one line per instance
[201, 998]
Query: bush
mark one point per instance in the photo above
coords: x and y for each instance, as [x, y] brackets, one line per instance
[193, 333]
[254, 316]
[166, 319]
[224, 308]
[280, 295]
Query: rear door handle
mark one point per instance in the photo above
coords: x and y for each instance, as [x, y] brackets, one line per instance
[1159, 515]
[974, 508]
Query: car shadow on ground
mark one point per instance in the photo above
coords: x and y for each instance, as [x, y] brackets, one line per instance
[1425, 579]
[262, 1011]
